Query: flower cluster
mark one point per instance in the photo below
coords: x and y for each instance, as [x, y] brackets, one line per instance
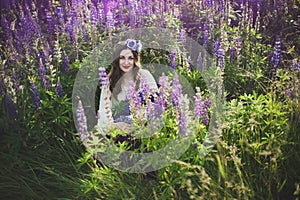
[103, 78]
[201, 109]
[35, 96]
[82, 122]
[276, 54]
[134, 45]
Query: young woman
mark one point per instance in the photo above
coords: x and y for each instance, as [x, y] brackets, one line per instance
[125, 69]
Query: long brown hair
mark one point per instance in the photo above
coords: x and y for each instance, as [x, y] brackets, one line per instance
[116, 73]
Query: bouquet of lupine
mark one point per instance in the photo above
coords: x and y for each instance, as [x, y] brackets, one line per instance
[158, 117]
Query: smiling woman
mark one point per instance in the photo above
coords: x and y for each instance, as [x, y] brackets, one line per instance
[126, 73]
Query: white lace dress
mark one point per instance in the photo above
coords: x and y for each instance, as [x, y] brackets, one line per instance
[119, 108]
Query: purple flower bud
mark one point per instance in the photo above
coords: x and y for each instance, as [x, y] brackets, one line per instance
[172, 60]
[198, 106]
[290, 93]
[294, 65]
[275, 61]
[65, 65]
[11, 109]
[109, 20]
[103, 78]
[81, 122]
[58, 89]
[205, 36]
[216, 47]
[221, 58]
[133, 96]
[35, 96]
[176, 91]
[182, 36]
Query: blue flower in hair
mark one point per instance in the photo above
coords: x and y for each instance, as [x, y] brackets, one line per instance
[134, 45]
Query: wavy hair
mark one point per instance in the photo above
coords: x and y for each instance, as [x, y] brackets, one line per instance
[116, 73]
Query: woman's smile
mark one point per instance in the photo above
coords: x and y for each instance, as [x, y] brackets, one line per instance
[126, 61]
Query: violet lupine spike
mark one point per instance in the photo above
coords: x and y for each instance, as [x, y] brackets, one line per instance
[59, 90]
[299, 65]
[43, 78]
[94, 15]
[205, 37]
[183, 117]
[163, 82]
[82, 122]
[133, 96]
[290, 93]
[216, 47]
[35, 96]
[182, 36]
[176, 91]
[294, 65]
[103, 78]
[65, 64]
[199, 111]
[109, 20]
[221, 58]
[275, 61]
[11, 109]
[172, 60]
[85, 33]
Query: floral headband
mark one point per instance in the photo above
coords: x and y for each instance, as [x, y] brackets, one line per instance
[134, 45]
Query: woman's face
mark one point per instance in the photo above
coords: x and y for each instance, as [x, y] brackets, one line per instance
[126, 61]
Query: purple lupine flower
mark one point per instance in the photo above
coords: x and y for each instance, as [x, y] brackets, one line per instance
[35, 96]
[198, 105]
[163, 82]
[182, 36]
[65, 65]
[294, 65]
[60, 17]
[182, 123]
[109, 20]
[176, 91]
[11, 109]
[172, 60]
[82, 122]
[15, 82]
[205, 36]
[103, 78]
[290, 93]
[84, 33]
[50, 23]
[207, 103]
[43, 78]
[133, 96]
[216, 47]
[209, 3]
[276, 54]
[58, 89]
[205, 119]
[94, 15]
[221, 58]
[299, 65]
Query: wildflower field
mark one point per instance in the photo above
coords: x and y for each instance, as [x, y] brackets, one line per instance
[49, 150]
